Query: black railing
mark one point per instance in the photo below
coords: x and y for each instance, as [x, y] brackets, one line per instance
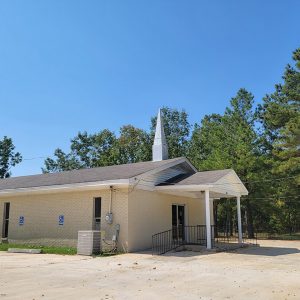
[221, 238]
[224, 235]
[180, 236]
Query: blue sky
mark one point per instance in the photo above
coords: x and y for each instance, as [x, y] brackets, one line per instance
[69, 66]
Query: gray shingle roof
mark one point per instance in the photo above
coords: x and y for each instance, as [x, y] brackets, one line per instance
[205, 177]
[83, 175]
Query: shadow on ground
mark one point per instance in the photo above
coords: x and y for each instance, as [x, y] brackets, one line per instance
[180, 253]
[251, 250]
[267, 251]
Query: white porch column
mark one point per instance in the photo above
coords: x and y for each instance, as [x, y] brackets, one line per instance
[207, 217]
[238, 206]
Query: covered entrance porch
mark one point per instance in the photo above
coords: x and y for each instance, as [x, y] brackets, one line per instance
[205, 234]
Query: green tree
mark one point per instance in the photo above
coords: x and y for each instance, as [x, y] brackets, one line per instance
[133, 145]
[231, 141]
[94, 150]
[280, 117]
[206, 148]
[86, 151]
[62, 162]
[8, 157]
[177, 130]
[228, 140]
[102, 149]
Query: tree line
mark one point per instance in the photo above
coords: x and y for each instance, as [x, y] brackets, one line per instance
[261, 142]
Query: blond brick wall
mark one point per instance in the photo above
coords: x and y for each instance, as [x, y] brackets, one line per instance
[140, 214]
[41, 212]
[119, 210]
[151, 212]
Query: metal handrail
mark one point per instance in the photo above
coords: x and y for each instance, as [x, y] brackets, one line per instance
[224, 235]
[168, 240]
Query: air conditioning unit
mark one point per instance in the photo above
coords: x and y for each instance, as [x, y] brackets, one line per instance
[89, 242]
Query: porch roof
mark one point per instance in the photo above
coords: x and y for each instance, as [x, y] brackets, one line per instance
[220, 183]
[206, 177]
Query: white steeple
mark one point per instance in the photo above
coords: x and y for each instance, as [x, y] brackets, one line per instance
[160, 147]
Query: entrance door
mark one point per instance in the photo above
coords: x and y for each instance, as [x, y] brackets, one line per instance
[178, 221]
[5, 220]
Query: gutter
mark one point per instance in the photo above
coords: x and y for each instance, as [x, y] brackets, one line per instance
[67, 187]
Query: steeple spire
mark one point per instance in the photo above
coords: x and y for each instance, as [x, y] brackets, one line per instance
[160, 147]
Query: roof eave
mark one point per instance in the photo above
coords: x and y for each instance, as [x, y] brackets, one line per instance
[244, 191]
[182, 187]
[67, 187]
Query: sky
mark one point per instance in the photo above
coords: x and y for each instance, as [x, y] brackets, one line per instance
[68, 66]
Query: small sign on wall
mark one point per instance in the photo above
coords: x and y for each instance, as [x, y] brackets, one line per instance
[21, 220]
[61, 220]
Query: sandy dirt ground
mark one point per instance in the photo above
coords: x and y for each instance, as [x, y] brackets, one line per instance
[271, 271]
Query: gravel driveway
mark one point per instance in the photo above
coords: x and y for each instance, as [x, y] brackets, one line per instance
[271, 271]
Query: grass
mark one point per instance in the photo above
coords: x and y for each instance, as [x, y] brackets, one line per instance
[45, 249]
[293, 236]
[278, 236]
[53, 250]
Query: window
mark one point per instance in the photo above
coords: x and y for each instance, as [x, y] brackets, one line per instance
[97, 213]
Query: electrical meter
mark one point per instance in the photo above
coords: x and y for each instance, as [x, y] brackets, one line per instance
[109, 218]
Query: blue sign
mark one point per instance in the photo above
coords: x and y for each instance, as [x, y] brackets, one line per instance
[61, 220]
[21, 220]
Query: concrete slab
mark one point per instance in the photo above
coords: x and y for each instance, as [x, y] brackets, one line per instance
[28, 251]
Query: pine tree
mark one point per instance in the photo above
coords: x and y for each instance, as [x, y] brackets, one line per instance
[280, 117]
